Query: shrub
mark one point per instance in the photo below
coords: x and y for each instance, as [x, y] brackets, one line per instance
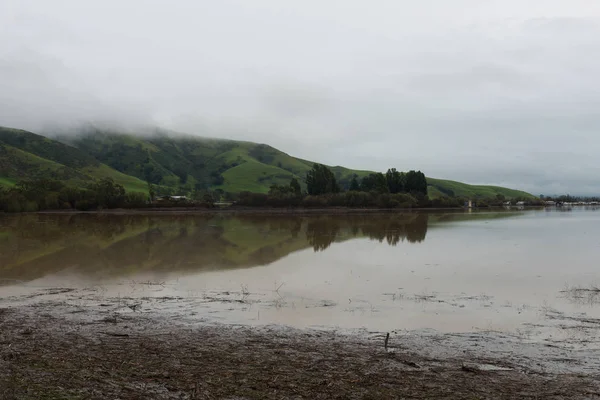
[136, 199]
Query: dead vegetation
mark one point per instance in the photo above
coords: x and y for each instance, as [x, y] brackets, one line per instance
[582, 295]
[44, 356]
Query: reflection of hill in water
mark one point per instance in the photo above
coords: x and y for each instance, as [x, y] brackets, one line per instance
[32, 246]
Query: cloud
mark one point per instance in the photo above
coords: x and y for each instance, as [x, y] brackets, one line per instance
[498, 92]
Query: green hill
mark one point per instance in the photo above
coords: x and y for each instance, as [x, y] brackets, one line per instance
[440, 187]
[192, 162]
[25, 155]
[182, 162]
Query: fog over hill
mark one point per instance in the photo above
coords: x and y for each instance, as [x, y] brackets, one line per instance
[495, 92]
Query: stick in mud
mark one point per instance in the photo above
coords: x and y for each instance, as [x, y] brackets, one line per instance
[387, 338]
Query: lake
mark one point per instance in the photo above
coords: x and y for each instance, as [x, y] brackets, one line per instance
[528, 273]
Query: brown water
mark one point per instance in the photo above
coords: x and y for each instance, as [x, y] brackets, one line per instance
[452, 272]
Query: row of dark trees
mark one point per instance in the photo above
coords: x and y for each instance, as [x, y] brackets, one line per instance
[321, 180]
[340, 199]
[392, 181]
[49, 194]
[393, 189]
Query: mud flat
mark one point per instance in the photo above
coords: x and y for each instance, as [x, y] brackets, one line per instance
[52, 347]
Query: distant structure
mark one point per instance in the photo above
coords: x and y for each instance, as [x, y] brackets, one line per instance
[172, 198]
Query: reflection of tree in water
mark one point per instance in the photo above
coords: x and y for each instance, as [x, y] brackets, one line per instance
[396, 228]
[125, 244]
[296, 227]
[417, 230]
[321, 232]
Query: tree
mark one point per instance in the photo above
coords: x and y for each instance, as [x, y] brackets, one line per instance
[354, 186]
[279, 190]
[108, 193]
[181, 173]
[151, 191]
[320, 180]
[216, 178]
[395, 180]
[151, 174]
[416, 182]
[295, 186]
[209, 199]
[374, 183]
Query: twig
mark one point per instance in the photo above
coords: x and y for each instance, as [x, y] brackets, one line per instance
[115, 334]
[467, 368]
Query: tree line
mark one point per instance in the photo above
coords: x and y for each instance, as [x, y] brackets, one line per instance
[320, 180]
[393, 189]
[49, 194]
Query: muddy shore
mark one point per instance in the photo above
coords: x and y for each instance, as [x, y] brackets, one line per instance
[54, 350]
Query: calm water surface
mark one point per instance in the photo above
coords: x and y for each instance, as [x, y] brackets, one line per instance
[452, 272]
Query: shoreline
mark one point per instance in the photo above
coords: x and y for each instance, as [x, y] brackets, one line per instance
[275, 211]
[135, 356]
[108, 348]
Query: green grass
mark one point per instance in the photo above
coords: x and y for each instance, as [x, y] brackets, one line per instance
[16, 164]
[438, 187]
[130, 183]
[39, 157]
[254, 176]
[433, 192]
[7, 182]
[32, 159]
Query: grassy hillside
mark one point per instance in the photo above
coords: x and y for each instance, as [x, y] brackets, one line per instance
[183, 162]
[440, 187]
[130, 183]
[193, 162]
[25, 155]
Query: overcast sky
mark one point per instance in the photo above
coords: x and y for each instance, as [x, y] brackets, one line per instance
[497, 92]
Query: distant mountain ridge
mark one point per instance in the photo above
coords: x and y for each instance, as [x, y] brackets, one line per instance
[178, 161]
[26, 155]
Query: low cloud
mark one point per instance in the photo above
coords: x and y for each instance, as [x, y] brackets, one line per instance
[484, 92]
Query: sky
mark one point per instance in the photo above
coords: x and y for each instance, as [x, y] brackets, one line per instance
[488, 92]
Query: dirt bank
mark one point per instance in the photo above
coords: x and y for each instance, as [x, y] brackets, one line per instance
[47, 352]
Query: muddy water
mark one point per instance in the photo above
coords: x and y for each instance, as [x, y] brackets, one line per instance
[452, 272]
